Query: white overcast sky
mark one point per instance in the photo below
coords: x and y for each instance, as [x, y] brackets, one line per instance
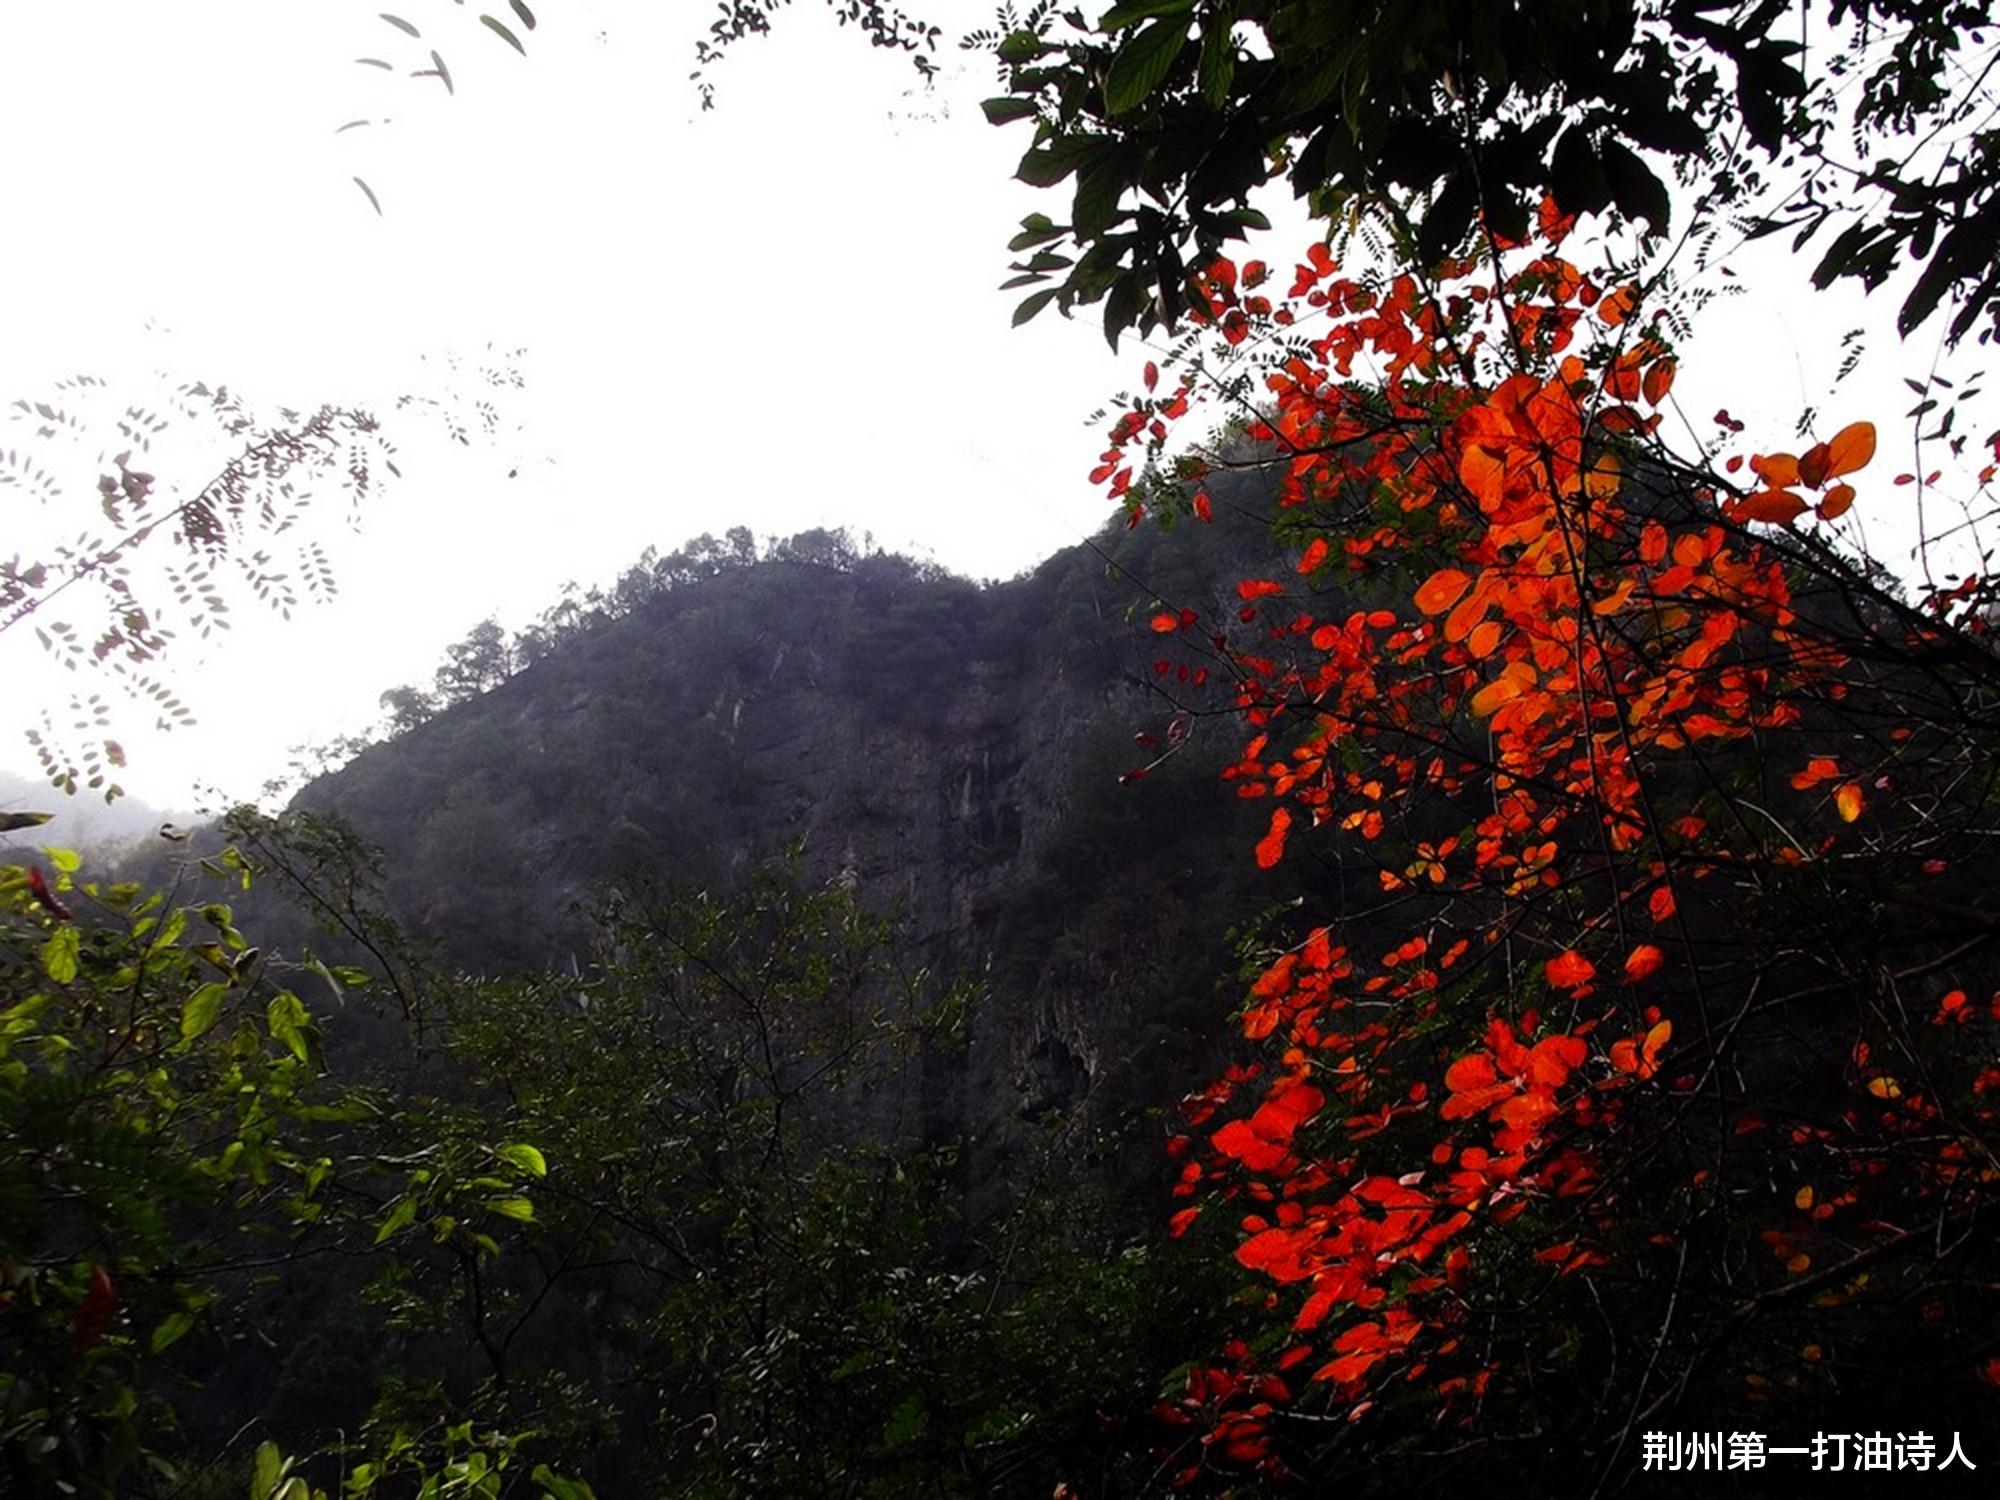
[781, 314]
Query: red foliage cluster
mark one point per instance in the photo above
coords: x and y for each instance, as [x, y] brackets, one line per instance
[1561, 737]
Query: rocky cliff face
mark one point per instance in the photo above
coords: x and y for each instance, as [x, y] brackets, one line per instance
[951, 753]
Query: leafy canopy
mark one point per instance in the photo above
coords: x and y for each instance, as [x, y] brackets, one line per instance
[1167, 117]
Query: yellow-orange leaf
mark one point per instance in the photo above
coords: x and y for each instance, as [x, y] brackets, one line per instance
[1798, 1263]
[1850, 449]
[1485, 636]
[1837, 502]
[1885, 1087]
[1850, 802]
[1614, 601]
[1494, 694]
[1803, 1198]
[1442, 590]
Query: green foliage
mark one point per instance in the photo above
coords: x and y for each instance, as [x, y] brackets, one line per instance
[1441, 122]
[169, 1137]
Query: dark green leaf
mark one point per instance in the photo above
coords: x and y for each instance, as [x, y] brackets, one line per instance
[1217, 68]
[1033, 304]
[1141, 63]
[1007, 108]
[1036, 229]
[1131, 12]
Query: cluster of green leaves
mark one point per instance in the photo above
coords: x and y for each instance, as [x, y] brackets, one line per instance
[677, 1218]
[742, 1176]
[1170, 115]
[172, 1147]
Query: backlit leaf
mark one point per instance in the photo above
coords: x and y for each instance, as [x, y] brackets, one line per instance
[1851, 448]
[1850, 801]
[1442, 590]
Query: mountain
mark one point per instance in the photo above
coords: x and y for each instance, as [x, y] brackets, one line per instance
[952, 753]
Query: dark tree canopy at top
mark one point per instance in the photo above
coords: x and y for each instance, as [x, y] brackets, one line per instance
[1166, 116]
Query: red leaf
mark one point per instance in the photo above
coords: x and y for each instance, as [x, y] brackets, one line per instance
[39, 889]
[92, 1314]
[1271, 847]
[1642, 961]
[1570, 970]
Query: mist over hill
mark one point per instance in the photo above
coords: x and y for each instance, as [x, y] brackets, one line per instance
[955, 755]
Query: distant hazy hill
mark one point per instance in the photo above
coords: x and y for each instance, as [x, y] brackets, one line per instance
[85, 822]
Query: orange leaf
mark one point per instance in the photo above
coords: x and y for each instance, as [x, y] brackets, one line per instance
[1659, 380]
[1781, 507]
[1485, 636]
[1661, 903]
[1314, 555]
[1850, 449]
[1812, 466]
[1164, 623]
[1442, 590]
[1466, 615]
[1839, 500]
[1776, 469]
[1850, 801]
[1656, 1039]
